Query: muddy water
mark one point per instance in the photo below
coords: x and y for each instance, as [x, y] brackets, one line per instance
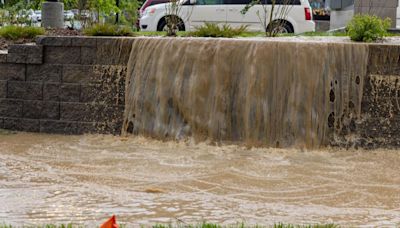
[255, 92]
[84, 179]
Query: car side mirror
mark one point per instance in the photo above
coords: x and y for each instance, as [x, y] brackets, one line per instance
[192, 2]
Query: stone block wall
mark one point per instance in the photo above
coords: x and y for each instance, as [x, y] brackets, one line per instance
[64, 85]
[76, 85]
[380, 123]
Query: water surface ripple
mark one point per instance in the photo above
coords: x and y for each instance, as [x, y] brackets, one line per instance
[84, 179]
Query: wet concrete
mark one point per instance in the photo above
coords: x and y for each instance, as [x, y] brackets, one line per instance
[84, 179]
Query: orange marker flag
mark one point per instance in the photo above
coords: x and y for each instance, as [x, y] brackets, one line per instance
[111, 223]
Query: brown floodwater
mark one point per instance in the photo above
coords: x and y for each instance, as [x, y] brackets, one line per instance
[85, 179]
[250, 91]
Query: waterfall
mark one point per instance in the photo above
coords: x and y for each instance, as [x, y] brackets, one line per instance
[246, 91]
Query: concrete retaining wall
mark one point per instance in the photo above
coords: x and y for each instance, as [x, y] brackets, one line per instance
[76, 85]
[380, 123]
[64, 85]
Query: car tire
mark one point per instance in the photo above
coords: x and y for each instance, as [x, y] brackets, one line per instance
[283, 27]
[163, 24]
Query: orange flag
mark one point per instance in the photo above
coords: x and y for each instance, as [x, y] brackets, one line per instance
[111, 223]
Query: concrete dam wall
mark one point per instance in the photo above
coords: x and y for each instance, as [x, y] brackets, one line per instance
[249, 92]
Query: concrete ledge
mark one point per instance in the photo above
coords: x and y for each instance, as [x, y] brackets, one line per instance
[54, 41]
[84, 41]
[92, 50]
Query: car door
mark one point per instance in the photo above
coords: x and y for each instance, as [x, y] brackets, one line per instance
[398, 15]
[251, 18]
[212, 11]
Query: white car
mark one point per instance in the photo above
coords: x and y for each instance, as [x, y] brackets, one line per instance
[68, 15]
[194, 13]
[37, 16]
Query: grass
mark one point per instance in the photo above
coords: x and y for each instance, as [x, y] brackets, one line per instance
[281, 225]
[242, 225]
[244, 34]
[157, 34]
[182, 225]
[18, 32]
[368, 28]
[214, 30]
[108, 30]
[324, 34]
[13, 32]
[259, 34]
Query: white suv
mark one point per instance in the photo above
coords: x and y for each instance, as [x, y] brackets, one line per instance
[194, 13]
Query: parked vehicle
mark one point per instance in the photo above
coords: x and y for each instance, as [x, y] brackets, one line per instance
[25, 16]
[144, 6]
[68, 15]
[37, 16]
[194, 13]
[150, 3]
[398, 15]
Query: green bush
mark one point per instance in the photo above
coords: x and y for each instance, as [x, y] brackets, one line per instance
[13, 32]
[367, 28]
[213, 30]
[108, 30]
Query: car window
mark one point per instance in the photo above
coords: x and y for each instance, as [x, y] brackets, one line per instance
[237, 2]
[209, 2]
[281, 2]
[158, 2]
[278, 2]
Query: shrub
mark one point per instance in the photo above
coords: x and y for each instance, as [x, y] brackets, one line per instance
[367, 28]
[108, 30]
[13, 32]
[214, 30]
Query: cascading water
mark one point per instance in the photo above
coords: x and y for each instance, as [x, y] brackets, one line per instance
[251, 92]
